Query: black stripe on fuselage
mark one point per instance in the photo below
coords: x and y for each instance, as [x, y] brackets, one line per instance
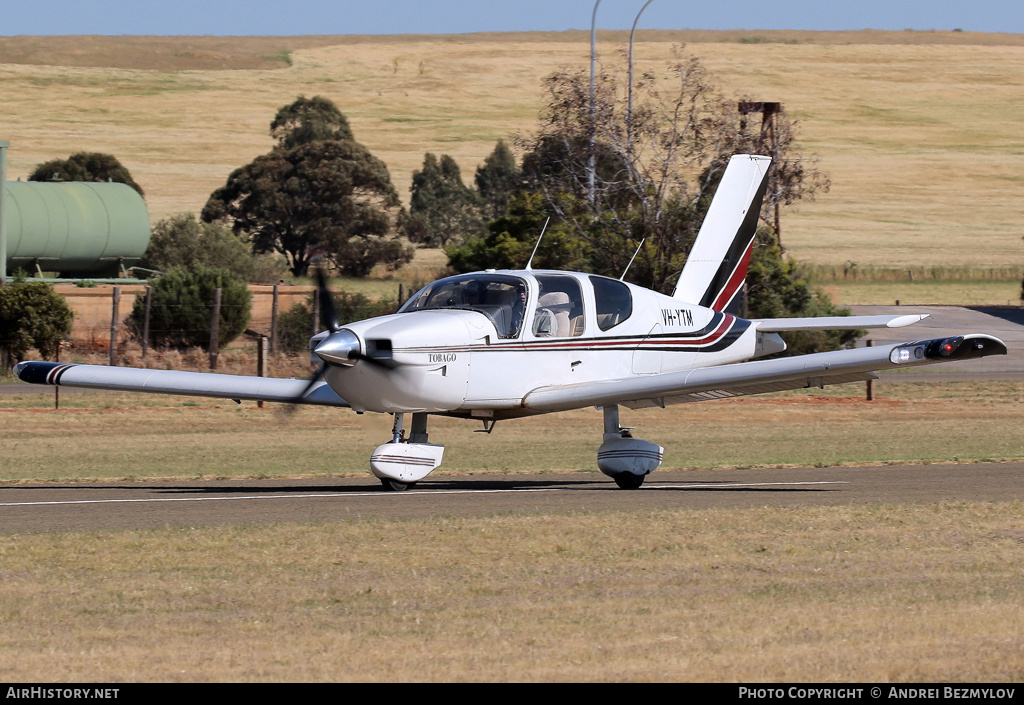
[719, 334]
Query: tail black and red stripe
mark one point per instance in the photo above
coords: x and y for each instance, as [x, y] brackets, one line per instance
[717, 265]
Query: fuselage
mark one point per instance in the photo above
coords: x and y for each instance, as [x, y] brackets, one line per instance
[475, 345]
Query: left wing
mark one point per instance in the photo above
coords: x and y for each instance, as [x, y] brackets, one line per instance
[201, 384]
[760, 376]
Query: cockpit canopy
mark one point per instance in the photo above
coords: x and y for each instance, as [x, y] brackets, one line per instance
[500, 297]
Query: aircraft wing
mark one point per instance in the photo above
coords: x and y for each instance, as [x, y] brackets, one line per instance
[760, 376]
[777, 325]
[200, 384]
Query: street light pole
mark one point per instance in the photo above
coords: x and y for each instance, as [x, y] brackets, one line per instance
[629, 107]
[593, 59]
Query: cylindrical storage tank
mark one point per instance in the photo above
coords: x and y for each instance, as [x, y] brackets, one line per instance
[79, 229]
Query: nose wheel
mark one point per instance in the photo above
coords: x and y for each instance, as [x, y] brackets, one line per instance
[628, 481]
[401, 463]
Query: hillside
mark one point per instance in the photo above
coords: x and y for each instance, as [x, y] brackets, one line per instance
[919, 131]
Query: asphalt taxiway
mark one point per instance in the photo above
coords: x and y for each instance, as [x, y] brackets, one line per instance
[45, 508]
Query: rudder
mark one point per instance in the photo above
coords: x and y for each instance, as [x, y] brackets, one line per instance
[714, 272]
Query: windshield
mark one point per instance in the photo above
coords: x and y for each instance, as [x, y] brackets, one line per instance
[499, 297]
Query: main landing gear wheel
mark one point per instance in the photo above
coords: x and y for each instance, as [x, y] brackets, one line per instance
[395, 485]
[629, 481]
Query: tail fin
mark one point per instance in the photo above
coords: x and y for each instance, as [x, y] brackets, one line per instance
[717, 265]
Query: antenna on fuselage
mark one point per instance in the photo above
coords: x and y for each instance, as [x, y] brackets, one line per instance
[539, 238]
[632, 258]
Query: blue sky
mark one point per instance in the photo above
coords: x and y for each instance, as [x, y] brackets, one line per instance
[291, 17]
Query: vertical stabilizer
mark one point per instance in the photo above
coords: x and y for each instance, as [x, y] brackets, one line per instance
[717, 265]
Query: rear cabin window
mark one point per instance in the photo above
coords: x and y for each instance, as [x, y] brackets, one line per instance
[614, 303]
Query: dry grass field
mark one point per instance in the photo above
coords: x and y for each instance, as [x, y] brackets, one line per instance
[928, 593]
[919, 131]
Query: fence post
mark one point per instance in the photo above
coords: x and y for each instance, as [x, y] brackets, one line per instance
[56, 387]
[316, 313]
[273, 322]
[215, 329]
[115, 324]
[261, 362]
[145, 320]
[870, 383]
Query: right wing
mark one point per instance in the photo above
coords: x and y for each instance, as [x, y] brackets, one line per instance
[775, 325]
[759, 376]
[200, 384]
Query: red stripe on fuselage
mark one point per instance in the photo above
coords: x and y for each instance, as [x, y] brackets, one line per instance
[724, 326]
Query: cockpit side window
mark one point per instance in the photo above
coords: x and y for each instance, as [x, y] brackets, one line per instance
[613, 302]
[559, 312]
[501, 298]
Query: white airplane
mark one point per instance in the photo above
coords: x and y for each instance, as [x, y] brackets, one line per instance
[498, 345]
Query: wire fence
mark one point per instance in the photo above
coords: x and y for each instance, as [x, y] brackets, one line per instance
[202, 322]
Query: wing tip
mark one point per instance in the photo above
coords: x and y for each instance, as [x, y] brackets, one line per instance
[907, 320]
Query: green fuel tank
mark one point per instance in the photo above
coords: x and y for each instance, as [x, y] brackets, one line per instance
[80, 229]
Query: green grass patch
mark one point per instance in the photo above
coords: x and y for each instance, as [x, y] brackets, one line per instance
[284, 57]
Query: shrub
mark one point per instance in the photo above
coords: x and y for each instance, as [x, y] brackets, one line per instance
[182, 305]
[32, 315]
[183, 241]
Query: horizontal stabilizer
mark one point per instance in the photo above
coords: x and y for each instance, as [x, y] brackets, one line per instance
[196, 384]
[778, 325]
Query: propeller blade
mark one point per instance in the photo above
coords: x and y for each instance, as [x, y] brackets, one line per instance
[328, 315]
[290, 407]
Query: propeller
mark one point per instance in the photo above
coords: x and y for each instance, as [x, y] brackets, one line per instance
[340, 347]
